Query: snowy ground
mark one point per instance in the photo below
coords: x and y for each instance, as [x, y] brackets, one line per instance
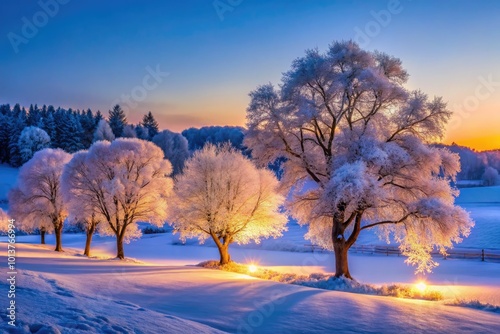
[161, 289]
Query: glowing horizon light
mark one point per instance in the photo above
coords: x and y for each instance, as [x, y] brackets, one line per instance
[421, 286]
[252, 268]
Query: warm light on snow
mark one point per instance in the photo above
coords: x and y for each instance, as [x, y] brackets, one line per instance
[252, 268]
[421, 286]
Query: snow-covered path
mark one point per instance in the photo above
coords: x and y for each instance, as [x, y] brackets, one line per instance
[76, 294]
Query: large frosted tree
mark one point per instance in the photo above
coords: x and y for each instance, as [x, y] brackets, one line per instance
[222, 195]
[119, 184]
[355, 143]
[36, 201]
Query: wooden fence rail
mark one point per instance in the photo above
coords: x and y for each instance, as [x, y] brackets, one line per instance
[488, 255]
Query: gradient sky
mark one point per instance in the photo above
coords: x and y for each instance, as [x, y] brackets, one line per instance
[90, 53]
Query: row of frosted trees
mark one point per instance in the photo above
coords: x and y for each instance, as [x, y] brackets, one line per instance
[114, 185]
[355, 153]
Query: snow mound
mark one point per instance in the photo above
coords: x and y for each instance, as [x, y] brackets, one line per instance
[475, 304]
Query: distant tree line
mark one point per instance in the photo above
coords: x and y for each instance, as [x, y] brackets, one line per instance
[477, 165]
[24, 132]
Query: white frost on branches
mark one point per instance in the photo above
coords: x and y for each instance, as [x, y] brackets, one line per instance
[4, 221]
[32, 140]
[103, 131]
[36, 201]
[355, 142]
[491, 177]
[222, 195]
[120, 183]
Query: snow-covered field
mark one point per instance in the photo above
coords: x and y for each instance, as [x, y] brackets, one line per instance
[160, 290]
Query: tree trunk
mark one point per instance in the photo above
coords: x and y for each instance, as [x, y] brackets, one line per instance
[90, 233]
[225, 258]
[341, 263]
[341, 245]
[223, 247]
[120, 254]
[42, 236]
[58, 232]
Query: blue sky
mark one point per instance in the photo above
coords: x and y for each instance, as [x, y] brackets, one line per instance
[90, 53]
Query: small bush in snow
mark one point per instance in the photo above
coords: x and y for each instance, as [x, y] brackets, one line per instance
[153, 230]
[475, 304]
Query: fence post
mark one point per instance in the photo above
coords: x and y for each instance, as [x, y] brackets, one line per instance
[482, 255]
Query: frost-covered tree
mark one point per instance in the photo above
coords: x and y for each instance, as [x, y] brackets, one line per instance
[84, 209]
[4, 221]
[491, 177]
[36, 200]
[121, 183]
[117, 120]
[217, 135]
[103, 131]
[174, 147]
[354, 139]
[32, 140]
[24, 222]
[142, 132]
[222, 195]
[150, 123]
[129, 131]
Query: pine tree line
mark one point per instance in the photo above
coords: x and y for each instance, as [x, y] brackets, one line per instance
[68, 129]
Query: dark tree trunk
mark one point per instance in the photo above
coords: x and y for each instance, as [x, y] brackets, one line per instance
[341, 263]
[120, 254]
[90, 233]
[225, 258]
[58, 232]
[223, 248]
[42, 236]
[341, 245]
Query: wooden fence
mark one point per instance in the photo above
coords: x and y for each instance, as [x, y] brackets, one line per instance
[485, 255]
